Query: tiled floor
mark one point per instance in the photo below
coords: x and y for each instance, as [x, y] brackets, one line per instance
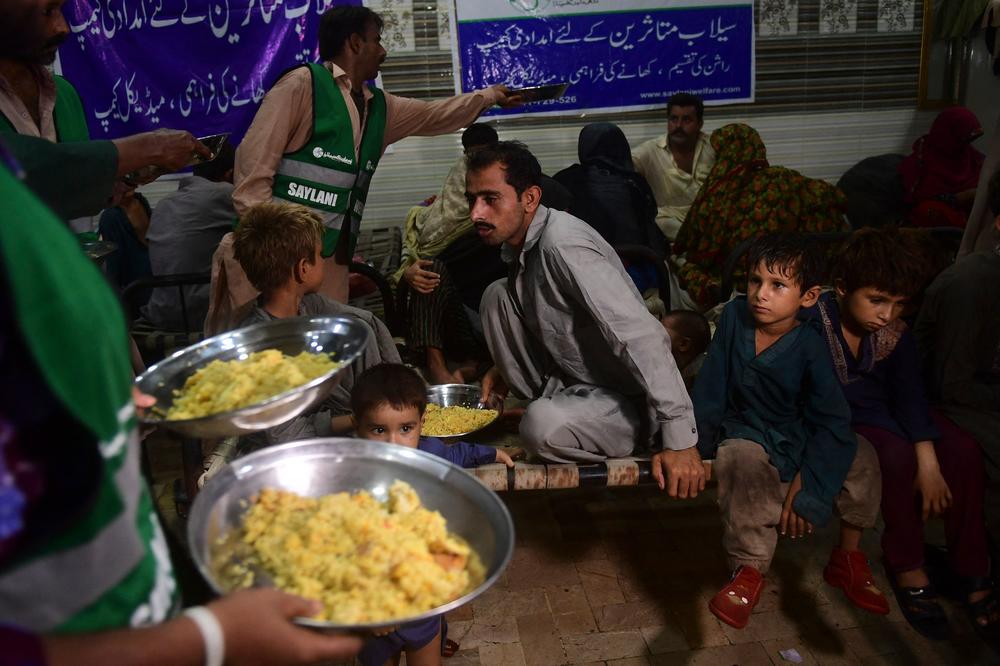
[622, 577]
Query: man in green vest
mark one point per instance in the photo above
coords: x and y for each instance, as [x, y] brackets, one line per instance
[320, 132]
[34, 105]
[85, 575]
[33, 101]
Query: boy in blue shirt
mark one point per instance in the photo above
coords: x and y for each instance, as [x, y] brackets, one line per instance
[388, 403]
[771, 413]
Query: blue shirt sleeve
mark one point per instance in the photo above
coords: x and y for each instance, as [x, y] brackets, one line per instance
[831, 447]
[462, 454]
[905, 387]
[711, 388]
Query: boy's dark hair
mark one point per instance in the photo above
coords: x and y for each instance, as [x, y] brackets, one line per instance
[884, 258]
[994, 193]
[687, 99]
[793, 255]
[479, 134]
[338, 24]
[521, 169]
[272, 238]
[391, 383]
[217, 168]
[692, 325]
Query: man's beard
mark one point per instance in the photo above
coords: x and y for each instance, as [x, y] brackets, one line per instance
[46, 55]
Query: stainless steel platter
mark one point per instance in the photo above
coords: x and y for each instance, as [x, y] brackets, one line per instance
[342, 337]
[318, 467]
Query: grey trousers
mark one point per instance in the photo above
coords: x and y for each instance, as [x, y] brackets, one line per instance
[751, 497]
[566, 422]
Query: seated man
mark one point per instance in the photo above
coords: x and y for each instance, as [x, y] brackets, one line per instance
[278, 246]
[569, 330]
[184, 231]
[435, 316]
[126, 225]
[676, 164]
[443, 280]
[958, 333]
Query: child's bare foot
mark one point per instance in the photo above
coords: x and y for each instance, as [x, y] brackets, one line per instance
[437, 368]
[442, 375]
[465, 374]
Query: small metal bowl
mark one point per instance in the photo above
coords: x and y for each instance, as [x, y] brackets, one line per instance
[342, 337]
[316, 467]
[463, 395]
[541, 93]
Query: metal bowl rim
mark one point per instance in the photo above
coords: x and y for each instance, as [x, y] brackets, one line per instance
[145, 416]
[487, 583]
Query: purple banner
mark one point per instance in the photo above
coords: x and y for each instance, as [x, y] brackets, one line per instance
[199, 65]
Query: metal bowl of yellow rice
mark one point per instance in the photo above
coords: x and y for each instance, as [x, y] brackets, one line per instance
[317, 468]
[462, 410]
[253, 407]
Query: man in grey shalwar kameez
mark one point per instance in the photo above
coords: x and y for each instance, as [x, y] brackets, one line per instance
[570, 331]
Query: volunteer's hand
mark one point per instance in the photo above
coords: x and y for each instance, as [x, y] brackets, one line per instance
[493, 383]
[165, 149]
[680, 473]
[419, 278]
[257, 628]
[792, 524]
[504, 97]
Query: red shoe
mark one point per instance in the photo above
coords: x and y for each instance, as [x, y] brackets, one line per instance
[849, 571]
[734, 603]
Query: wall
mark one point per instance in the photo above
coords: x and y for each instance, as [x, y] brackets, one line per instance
[820, 145]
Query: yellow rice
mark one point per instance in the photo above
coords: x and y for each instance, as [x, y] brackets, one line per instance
[222, 386]
[444, 421]
[365, 560]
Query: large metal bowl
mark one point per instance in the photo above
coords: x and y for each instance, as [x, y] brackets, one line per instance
[342, 337]
[463, 395]
[316, 467]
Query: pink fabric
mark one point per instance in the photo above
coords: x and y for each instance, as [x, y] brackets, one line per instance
[943, 161]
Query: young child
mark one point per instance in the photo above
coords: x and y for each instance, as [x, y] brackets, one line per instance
[929, 465]
[770, 412]
[278, 246]
[388, 404]
[689, 337]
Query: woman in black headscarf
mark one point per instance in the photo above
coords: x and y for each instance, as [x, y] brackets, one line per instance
[607, 192]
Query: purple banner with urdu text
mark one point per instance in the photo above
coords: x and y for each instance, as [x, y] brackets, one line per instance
[199, 65]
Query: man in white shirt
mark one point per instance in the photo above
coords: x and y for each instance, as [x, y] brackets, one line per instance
[677, 163]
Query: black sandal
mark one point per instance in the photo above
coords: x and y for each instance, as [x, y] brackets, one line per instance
[921, 609]
[983, 614]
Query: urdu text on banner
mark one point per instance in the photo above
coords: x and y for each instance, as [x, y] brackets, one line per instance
[616, 54]
[199, 65]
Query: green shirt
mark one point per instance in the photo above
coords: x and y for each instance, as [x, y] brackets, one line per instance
[110, 568]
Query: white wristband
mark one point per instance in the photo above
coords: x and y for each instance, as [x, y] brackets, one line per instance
[211, 634]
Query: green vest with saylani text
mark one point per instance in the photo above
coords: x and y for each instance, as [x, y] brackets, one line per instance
[323, 175]
[70, 120]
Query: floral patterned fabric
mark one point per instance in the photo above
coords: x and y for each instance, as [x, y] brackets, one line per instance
[745, 197]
